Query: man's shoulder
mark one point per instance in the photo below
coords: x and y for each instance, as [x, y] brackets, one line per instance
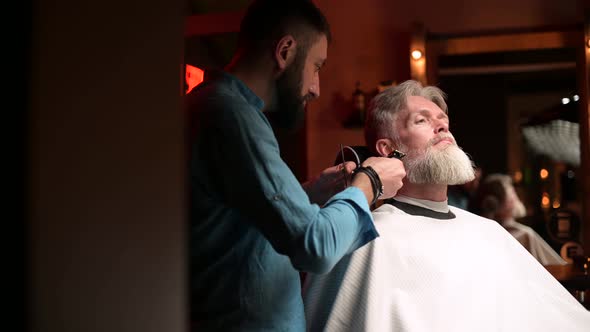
[385, 211]
[217, 95]
[220, 103]
[389, 218]
[475, 219]
[464, 213]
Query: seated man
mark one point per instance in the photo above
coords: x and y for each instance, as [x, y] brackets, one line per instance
[497, 200]
[434, 267]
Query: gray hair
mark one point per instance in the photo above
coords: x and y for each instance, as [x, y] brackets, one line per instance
[385, 107]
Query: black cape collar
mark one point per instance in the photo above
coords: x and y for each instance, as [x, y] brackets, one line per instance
[419, 211]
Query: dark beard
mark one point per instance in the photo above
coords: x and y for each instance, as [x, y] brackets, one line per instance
[288, 111]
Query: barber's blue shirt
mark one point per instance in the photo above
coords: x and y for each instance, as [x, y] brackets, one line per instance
[252, 227]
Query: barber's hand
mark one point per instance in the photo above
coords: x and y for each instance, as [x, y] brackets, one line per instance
[330, 182]
[391, 171]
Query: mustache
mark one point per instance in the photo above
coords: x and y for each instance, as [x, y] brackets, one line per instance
[441, 137]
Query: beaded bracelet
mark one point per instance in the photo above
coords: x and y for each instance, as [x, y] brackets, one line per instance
[376, 184]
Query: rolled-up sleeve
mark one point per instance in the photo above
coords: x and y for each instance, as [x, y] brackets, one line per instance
[244, 157]
[335, 232]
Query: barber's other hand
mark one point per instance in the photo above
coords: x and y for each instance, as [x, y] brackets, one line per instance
[331, 181]
[391, 171]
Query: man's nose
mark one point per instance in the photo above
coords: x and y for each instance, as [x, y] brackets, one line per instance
[441, 126]
[314, 88]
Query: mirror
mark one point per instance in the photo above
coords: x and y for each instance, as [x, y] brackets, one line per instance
[515, 101]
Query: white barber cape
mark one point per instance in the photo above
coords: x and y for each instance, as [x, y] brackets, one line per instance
[432, 270]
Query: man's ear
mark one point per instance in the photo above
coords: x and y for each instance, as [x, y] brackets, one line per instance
[285, 51]
[384, 147]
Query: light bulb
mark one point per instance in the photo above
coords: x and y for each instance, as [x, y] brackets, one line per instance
[416, 54]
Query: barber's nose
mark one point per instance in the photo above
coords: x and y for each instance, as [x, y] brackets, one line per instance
[314, 91]
[314, 88]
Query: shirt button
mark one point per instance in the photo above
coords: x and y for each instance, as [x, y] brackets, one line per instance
[276, 197]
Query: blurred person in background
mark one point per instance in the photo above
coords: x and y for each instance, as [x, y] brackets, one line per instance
[497, 199]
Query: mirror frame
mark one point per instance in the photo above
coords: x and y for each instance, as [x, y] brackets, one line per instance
[432, 47]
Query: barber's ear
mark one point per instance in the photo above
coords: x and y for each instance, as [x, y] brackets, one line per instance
[384, 147]
[285, 51]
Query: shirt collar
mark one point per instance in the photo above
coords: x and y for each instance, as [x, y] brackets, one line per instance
[240, 86]
[442, 207]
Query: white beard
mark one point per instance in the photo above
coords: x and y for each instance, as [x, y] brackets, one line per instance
[449, 166]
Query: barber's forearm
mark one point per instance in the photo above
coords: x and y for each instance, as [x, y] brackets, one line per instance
[312, 192]
[342, 226]
[362, 181]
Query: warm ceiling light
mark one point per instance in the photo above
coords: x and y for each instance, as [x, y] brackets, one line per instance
[545, 201]
[556, 204]
[416, 54]
[543, 174]
[517, 177]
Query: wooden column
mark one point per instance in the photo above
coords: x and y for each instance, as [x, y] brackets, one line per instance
[213, 23]
[418, 44]
[584, 86]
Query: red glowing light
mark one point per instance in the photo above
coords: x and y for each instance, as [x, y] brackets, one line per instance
[193, 77]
